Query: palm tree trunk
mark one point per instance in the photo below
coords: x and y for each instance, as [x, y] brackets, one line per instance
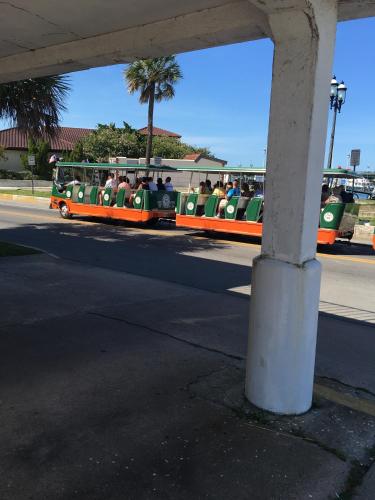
[150, 124]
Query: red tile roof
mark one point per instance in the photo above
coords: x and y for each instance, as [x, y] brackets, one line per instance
[193, 156]
[64, 140]
[198, 156]
[159, 131]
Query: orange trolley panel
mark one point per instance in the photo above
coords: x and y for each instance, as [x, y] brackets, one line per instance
[325, 236]
[222, 225]
[120, 213]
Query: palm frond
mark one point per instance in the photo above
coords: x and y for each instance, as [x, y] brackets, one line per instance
[163, 72]
[35, 105]
[164, 91]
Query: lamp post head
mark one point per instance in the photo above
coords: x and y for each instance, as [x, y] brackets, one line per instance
[333, 93]
[334, 85]
[341, 94]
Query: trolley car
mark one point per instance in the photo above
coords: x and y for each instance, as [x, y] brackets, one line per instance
[243, 215]
[89, 197]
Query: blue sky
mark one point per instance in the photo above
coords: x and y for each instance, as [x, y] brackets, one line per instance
[223, 100]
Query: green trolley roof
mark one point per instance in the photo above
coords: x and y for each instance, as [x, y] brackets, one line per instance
[327, 172]
[115, 166]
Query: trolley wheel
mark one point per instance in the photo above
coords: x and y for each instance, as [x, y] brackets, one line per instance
[152, 222]
[64, 211]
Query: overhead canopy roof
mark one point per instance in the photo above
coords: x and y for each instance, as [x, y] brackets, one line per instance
[327, 172]
[42, 37]
[116, 166]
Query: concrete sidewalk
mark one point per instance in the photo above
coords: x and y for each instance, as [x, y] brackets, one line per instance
[115, 386]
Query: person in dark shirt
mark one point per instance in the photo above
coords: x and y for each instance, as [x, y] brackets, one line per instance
[324, 196]
[160, 185]
[347, 196]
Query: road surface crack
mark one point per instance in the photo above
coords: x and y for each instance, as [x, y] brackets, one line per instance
[169, 335]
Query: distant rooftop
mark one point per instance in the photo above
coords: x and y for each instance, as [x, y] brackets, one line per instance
[198, 156]
[159, 132]
[64, 140]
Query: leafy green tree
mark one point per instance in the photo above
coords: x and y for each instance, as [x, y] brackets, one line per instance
[35, 105]
[41, 150]
[170, 147]
[108, 140]
[155, 80]
[76, 154]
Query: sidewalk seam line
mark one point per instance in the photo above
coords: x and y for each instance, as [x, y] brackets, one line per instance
[169, 335]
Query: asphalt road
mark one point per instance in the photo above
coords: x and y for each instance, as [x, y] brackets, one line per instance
[185, 257]
[123, 361]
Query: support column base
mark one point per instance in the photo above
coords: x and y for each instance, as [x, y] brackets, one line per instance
[282, 335]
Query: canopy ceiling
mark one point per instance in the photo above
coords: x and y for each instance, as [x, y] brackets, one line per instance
[53, 36]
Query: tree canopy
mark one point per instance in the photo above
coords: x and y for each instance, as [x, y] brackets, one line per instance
[109, 141]
[155, 80]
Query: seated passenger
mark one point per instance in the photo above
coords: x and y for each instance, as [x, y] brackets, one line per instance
[151, 184]
[258, 190]
[143, 184]
[335, 197]
[109, 183]
[124, 183]
[203, 188]
[208, 186]
[219, 190]
[75, 182]
[347, 196]
[160, 185]
[324, 196]
[168, 184]
[246, 193]
[236, 189]
[224, 202]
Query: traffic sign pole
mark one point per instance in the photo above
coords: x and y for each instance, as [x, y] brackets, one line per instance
[31, 162]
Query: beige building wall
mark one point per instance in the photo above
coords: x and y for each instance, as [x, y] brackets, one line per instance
[13, 161]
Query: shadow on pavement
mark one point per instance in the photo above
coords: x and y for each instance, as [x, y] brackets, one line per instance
[138, 393]
[116, 247]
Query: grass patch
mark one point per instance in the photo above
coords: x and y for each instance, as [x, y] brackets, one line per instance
[11, 250]
[26, 192]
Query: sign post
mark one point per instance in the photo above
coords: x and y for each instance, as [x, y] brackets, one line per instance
[31, 162]
[355, 158]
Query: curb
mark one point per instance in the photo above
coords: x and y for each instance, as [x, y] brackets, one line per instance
[23, 198]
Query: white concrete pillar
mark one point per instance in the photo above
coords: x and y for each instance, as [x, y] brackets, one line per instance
[286, 276]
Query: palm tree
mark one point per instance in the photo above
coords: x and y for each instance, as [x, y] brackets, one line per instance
[34, 105]
[155, 79]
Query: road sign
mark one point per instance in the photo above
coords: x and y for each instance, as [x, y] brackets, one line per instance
[355, 157]
[31, 160]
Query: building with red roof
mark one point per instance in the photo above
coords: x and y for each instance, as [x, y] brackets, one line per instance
[15, 143]
[159, 132]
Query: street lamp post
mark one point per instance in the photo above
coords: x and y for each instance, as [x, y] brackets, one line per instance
[337, 97]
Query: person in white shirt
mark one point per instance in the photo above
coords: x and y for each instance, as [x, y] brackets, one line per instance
[111, 182]
[75, 182]
[168, 185]
[151, 184]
